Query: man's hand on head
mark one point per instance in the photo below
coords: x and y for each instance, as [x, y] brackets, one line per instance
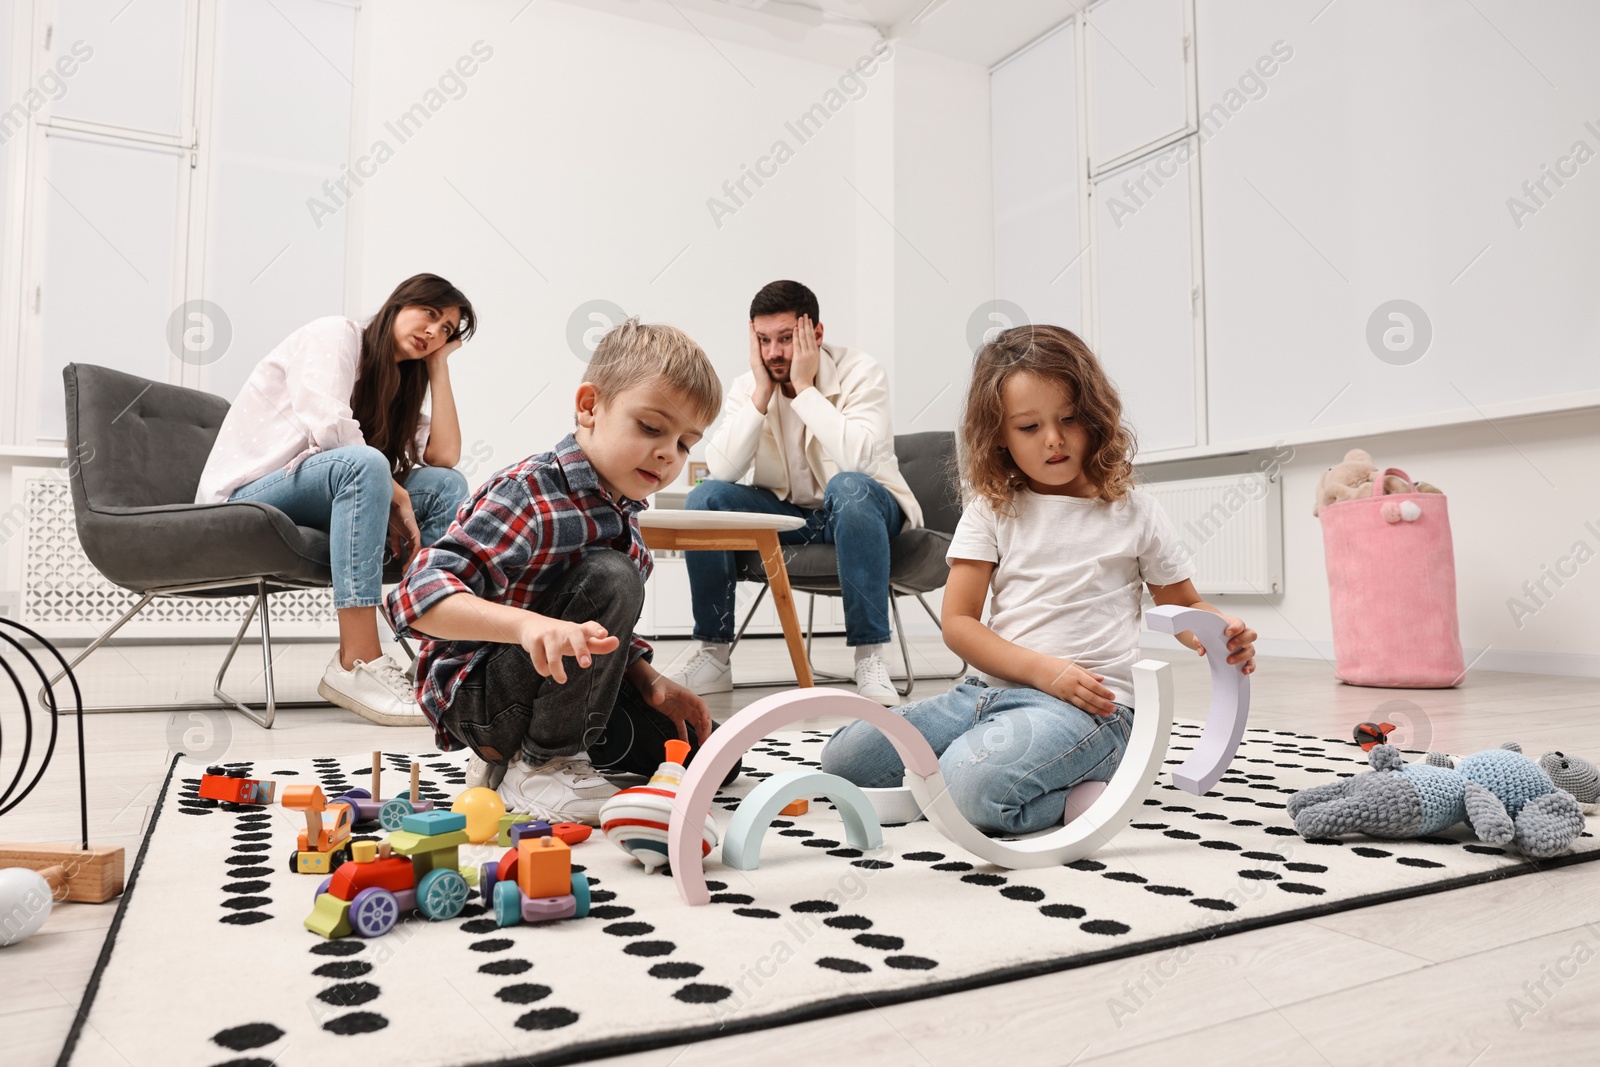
[807, 356]
[762, 384]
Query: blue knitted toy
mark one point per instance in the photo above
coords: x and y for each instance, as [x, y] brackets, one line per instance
[1503, 796]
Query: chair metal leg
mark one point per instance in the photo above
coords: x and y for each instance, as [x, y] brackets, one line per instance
[44, 694]
[264, 719]
[739, 635]
[905, 651]
[223, 701]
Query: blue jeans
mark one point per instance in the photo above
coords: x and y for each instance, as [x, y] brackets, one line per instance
[858, 517]
[347, 492]
[1008, 756]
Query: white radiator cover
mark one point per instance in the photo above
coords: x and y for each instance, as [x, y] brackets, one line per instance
[64, 596]
[1232, 527]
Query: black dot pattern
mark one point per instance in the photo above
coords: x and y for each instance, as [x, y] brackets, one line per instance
[1240, 858]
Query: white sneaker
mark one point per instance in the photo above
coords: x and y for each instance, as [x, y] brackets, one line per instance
[376, 691]
[566, 789]
[702, 670]
[483, 774]
[873, 682]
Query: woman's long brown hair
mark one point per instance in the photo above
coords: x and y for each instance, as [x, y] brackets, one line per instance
[1058, 355]
[387, 401]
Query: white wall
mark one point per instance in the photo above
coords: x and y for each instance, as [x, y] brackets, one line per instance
[577, 166]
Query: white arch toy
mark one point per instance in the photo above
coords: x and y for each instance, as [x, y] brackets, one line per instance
[1107, 814]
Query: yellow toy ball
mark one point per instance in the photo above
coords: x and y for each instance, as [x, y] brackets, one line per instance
[483, 808]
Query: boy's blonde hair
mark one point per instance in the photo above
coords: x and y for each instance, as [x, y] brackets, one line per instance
[1056, 355]
[632, 354]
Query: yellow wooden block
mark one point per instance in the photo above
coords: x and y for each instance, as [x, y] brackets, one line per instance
[364, 851]
[544, 867]
[330, 917]
[407, 843]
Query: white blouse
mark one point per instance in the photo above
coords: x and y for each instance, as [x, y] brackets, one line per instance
[295, 404]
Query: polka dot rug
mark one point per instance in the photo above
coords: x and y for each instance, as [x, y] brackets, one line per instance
[208, 962]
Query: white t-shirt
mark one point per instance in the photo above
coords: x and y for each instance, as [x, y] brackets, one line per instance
[1069, 575]
[803, 489]
[295, 404]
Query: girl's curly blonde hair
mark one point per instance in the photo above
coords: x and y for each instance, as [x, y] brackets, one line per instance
[1058, 355]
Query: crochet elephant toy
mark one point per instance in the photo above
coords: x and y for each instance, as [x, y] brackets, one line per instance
[1504, 796]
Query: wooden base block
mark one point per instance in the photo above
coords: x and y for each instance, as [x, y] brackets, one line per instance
[93, 877]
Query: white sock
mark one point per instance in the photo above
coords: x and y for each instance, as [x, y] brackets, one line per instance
[863, 651]
[721, 649]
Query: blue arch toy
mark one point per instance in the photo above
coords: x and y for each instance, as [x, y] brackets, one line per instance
[741, 843]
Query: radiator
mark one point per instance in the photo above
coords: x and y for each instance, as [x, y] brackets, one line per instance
[1232, 527]
[64, 596]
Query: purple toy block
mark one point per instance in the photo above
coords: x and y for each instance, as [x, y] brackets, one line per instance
[519, 830]
[545, 909]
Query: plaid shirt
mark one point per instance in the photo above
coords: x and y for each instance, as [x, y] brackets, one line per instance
[510, 542]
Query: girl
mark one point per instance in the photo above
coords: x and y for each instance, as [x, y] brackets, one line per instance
[1056, 528]
[334, 429]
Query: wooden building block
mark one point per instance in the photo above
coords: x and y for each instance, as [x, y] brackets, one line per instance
[531, 828]
[798, 807]
[544, 867]
[330, 917]
[93, 877]
[507, 821]
[433, 823]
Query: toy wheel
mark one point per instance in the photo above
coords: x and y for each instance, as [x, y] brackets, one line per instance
[507, 904]
[487, 878]
[373, 912]
[294, 861]
[322, 887]
[356, 794]
[442, 894]
[337, 858]
[392, 812]
[217, 769]
[580, 894]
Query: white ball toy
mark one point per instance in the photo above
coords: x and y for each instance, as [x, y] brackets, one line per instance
[24, 904]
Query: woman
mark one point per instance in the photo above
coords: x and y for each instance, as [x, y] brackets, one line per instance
[334, 429]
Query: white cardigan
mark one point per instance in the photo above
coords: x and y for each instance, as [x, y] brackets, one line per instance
[847, 428]
[295, 404]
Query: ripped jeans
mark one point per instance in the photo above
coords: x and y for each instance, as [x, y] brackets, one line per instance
[1008, 756]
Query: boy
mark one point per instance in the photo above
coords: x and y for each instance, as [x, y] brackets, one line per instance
[529, 601]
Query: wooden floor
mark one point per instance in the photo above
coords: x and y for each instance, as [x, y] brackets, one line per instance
[1437, 979]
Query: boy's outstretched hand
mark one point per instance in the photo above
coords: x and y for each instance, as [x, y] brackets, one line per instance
[547, 640]
[682, 705]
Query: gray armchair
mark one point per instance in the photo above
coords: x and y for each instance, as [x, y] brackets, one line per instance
[916, 557]
[147, 444]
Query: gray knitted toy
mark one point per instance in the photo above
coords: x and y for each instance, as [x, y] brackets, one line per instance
[1503, 796]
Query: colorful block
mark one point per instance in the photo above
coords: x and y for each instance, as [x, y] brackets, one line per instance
[330, 917]
[507, 822]
[433, 823]
[544, 867]
[547, 909]
[531, 828]
[364, 851]
[572, 832]
[799, 807]
[410, 843]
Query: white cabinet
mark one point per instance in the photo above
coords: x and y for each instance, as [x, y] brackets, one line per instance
[1147, 296]
[1038, 240]
[1138, 64]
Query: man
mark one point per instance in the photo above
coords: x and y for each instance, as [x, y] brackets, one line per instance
[814, 420]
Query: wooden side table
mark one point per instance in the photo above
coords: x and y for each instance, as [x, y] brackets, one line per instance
[737, 531]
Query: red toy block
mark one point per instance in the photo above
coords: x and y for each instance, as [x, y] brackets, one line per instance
[394, 874]
[572, 832]
[508, 867]
[544, 867]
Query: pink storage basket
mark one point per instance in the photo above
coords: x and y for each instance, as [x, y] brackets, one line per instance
[1392, 589]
